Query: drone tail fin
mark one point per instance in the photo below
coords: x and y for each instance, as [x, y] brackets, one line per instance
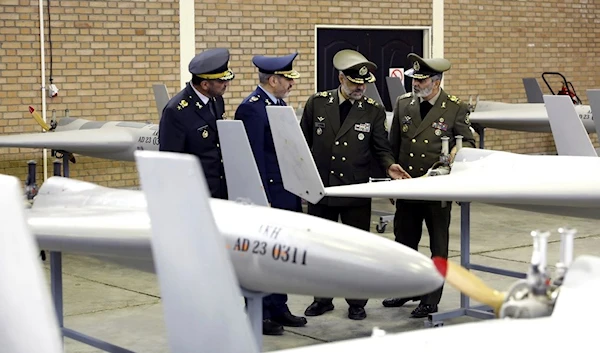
[594, 98]
[193, 267]
[28, 319]
[298, 169]
[570, 136]
[242, 175]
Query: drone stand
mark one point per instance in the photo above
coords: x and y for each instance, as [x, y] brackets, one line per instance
[254, 308]
[479, 312]
[56, 287]
[254, 299]
[481, 137]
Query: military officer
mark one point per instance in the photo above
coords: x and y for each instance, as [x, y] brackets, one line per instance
[276, 79]
[421, 118]
[345, 130]
[189, 120]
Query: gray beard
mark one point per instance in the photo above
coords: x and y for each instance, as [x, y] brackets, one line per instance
[423, 93]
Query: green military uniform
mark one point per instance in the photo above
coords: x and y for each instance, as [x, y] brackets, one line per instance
[417, 144]
[343, 153]
[417, 141]
[344, 139]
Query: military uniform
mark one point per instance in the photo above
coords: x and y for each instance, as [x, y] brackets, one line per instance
[417, 143]
[252, 112]
[189, 122]
[343, 152]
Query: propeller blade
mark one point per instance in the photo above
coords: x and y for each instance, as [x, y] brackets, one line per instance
[39, 119]
[469, 284]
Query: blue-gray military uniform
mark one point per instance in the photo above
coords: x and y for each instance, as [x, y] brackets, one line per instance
[252, 112]
[344, 137]
[415, 135]
[189, 124]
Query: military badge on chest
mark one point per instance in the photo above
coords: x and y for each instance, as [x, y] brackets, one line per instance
[203, 130]
[405, 122]
[364, 127]
[439, 126]
[320, 125]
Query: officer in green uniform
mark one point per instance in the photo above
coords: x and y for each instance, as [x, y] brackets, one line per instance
[345, 130]
[421, 118]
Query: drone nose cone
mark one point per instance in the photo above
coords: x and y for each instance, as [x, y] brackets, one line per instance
[415, 274]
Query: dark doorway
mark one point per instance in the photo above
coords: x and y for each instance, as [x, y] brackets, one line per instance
[387, 48]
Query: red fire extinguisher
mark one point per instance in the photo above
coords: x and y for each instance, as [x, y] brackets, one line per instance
[565, 91]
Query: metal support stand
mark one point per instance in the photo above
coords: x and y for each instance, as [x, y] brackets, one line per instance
[254, 308]
[56, 287]
[384, 219]
[481, 137]
[481, 311]
[254, 299]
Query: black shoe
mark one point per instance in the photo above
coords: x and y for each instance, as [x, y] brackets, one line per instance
[318, 308]
[356, 313]
[397, 302]
[288, 319]
[423, 310]
[272, 328]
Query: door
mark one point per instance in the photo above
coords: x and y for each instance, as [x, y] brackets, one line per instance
[387, 48]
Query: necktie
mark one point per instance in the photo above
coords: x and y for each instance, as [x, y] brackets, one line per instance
[211, 106]
[281, 102]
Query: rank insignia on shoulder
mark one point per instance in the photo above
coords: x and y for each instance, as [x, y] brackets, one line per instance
[372, 101]
[406, 95]
[253, 98]
[182, 104]
[322, 94]
[454, 99]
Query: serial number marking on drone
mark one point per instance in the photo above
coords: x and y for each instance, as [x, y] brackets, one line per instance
[269, 231]
[279, 252]
[148, 139]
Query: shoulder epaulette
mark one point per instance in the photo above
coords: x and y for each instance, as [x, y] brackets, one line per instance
[322, 94]
[371, 101]
[254, 98]
[406, 95]
[182, 104]
[454, 99]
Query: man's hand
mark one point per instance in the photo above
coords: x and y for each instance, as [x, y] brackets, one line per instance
[395, 171]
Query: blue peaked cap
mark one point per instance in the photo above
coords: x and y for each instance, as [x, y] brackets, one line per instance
[281, 65]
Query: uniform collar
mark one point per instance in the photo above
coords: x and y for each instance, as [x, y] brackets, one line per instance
[203, 98]
[273, 98]
[434, 99]
[342, 98]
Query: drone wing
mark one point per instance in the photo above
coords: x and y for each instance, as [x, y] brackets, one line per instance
[79, 141]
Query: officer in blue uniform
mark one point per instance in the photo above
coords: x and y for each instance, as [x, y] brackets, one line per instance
[276, 79]
[189, 120]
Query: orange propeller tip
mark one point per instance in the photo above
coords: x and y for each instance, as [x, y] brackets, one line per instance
[441, 264]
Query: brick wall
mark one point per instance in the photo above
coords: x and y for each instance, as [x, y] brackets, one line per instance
[107, 54]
